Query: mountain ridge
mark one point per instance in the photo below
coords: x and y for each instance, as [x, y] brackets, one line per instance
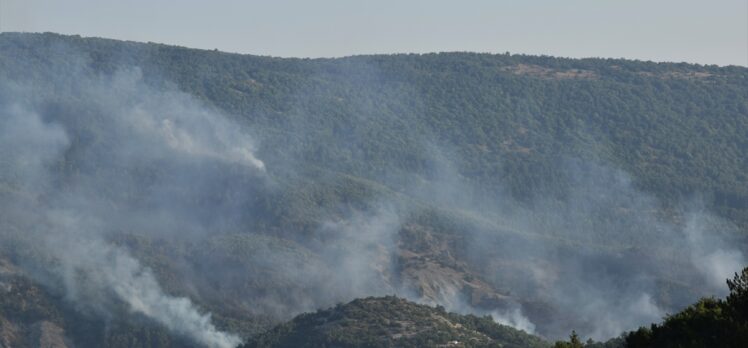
[481, 182]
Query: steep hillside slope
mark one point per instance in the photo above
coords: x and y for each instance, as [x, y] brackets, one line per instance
[213, 195]
[32, 316]
[678, 129]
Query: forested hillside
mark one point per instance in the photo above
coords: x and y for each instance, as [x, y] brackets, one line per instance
[392, 322]
[196, 196]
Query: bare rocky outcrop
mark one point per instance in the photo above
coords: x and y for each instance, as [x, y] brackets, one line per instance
[9, 336]
[429, 267]
[549, 73]
[46, 334]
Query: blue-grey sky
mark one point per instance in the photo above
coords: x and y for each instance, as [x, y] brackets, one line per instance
[697, 31]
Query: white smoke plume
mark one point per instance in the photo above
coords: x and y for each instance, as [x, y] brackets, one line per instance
[515, 319]
[361, 249]
[715, 260]
[62, 226]
[118, 273]
[594, 256]
[155, 161]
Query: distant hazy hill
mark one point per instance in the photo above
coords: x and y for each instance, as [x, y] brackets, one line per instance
[555, 194]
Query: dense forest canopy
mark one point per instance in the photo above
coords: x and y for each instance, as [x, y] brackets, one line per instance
[548, 194]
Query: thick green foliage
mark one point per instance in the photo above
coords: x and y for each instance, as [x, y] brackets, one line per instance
[707, 323]
[392, 322]
[506, 121]
[344, 132]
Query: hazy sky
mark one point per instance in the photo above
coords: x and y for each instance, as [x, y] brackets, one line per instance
[700, 31]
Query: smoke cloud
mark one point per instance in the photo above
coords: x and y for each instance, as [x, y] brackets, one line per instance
[89, 159]
[62, 220]
[710, 254]
[600, 259]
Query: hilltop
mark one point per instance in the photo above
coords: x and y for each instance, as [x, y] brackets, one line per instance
[392, 322]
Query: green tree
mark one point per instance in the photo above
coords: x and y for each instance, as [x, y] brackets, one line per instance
[708, 323]
[574, 342]
[737, 301]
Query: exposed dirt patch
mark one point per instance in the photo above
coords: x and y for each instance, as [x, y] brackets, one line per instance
[510, 146]
[549, 73]
[9, 336]
[690, 75]
[429, 267]
[45, 334]
[7, 268]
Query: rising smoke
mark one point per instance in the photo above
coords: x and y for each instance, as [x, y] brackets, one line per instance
[88, 158]
[68, 216]
[601, 257]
